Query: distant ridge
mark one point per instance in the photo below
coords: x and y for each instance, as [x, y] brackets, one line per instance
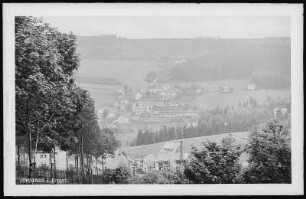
[112, 47]
[264, 61]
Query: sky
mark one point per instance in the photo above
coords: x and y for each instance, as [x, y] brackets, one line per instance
[174, 26]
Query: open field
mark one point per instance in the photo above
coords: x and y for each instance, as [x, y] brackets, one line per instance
[130, 73]
[142, 151]
[102, 94]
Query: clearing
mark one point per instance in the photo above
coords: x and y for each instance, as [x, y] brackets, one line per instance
[188, 143]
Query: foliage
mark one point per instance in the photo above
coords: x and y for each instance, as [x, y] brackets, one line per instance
[270, 155]
[213, 164]
[119, 175]
[228, 141]
[45, 62]
[178, 177]
[50, 109]
[154, 177]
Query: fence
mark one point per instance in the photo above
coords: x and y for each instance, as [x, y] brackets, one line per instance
[44, 175]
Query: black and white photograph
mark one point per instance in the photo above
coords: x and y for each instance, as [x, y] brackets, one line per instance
[153, 99]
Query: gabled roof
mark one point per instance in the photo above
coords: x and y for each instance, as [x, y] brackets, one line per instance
[163, 156]
[119, 158]
[171, 147]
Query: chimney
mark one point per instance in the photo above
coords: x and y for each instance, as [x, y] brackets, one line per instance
[181, 150]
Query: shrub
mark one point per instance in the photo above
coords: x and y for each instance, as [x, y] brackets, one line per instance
[120, 175]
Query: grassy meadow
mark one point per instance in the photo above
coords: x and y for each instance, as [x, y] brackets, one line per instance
[188, 143]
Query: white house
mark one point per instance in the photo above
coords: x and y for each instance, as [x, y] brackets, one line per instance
[138, 96]
[110, 115]
[119, 159]
[168, 158]
[251, 87]
[280, 112]
[43, 159]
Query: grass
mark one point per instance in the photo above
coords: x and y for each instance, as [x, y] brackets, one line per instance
[130, 73]
[188, 143]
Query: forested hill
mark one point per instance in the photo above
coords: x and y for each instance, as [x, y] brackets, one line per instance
[113, 47]
[266, 61]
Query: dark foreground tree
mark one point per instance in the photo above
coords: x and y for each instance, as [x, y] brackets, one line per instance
[45, 61]
[50, 109]
[213, 164]
[270, 155]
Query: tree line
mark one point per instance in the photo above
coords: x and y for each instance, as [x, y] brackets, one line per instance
[51, 110]
[216, 121]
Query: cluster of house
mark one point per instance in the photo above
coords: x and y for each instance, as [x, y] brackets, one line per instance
[61, 161]
[161, 111]
[170, 157]
[162, 92]
[229, 89]
[153, 104]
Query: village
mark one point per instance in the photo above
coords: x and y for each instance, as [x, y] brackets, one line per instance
[158, 104]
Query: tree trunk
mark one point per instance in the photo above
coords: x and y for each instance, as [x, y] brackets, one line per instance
[102, 163]
[35, 151]
[18, 161]
[97, 172]
[36, 144]
[77, 165]
[50, 154]
[54, 164]
[82, 161]
[18, 156]
[29, 151]
[91, 171]
[66, 165]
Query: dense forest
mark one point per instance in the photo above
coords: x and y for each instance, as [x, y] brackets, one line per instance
[267, 65]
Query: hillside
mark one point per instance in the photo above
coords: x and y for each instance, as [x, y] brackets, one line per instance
[266, 62]
[142, 151]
